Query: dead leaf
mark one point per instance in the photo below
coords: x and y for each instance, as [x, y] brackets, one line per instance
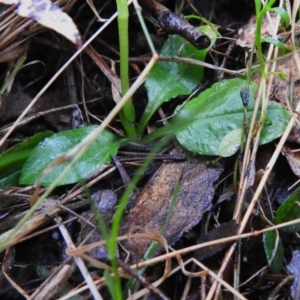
[13, 104]
[246, 34]
[152, 205]
[9, 2]
[49, 15]
[293, 159]
[286, 91]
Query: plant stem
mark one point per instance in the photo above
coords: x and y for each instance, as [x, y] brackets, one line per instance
[258, 42]
[16, 69]
[127, 114]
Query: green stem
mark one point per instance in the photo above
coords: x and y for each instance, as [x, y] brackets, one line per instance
[123, 39]
[16, 69]
[127, 114]
[112, 241]
[260, 15]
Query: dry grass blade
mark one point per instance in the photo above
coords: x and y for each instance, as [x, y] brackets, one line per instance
[142, 280]
[5, 268]
[95, 79]
[196, 247]
[103, 66]
[50, 210]
[79, 251]
[11, 237]
[59, 72]
[249, 159]
[84, 271]
[53, 283]
[205, 272]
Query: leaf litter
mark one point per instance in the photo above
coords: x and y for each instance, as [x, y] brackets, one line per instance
[50, 15]
[177, 201]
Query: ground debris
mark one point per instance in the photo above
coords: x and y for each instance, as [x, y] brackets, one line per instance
[246, 34]
[152, 205]
[175, 24]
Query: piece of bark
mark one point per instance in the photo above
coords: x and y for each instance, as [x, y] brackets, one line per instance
[175, 24]
[152, 205]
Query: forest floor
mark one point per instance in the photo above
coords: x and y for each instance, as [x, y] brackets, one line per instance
[184, 200]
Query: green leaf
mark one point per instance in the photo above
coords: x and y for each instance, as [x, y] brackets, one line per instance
[202, 124]
[281, 74]
[289, 210]
[274, 250]
[43, 271]
[12, 160]
[110, 284]
[60, 144]
[167, 80]
[276, 42]
[231, 142]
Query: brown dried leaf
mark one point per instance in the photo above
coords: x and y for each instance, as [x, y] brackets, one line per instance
[282, 89]
[246, 34]
[9, 2]
[13, 104]
[151, 206]
[13, 52]
[49, 15]
[286, 91]
[293, 159]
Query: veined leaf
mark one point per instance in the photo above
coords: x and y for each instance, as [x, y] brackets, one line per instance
[274, 250]
[97, 155]
[203, 123]
[289, 210]
[231, 142]
[167, 80]
[12, 160]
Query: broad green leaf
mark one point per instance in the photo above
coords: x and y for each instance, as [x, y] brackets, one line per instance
[12, 160]
[231, 142]
[289, 210]
[167, 80]
[274, 250]
[201, 125]
[61, 143]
